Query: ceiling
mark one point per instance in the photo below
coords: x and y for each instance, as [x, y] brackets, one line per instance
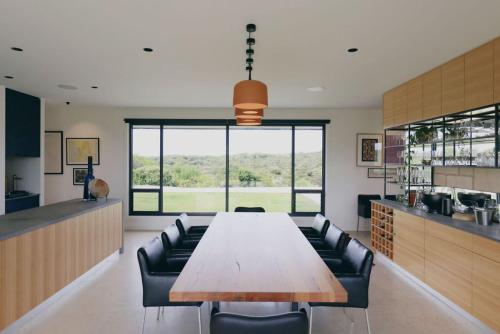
[199, 48]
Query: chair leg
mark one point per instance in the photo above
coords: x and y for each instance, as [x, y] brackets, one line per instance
[199, 318]
[158, 314]
[310, 320]
[350, 319]
[144, 320]
[367, 322]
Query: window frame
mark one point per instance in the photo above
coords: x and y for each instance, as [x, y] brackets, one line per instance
[227, 123]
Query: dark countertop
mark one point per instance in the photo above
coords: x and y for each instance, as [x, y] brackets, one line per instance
[491, 232]
[20, 222]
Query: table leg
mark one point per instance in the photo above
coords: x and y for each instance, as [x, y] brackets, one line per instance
[295, 306]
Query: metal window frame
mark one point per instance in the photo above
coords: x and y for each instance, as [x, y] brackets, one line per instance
[227, 123]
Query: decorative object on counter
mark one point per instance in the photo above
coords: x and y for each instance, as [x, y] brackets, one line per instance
[484, 216]
[79, 175]
[447, 207]
[78, 149]
[87, 196]
[99, 188]
[378, 173]
[472, 200]
[54, 152]
[434, 201]
[369, 152]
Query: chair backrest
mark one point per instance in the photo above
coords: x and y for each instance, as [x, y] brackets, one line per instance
[182, 223]
[249, 209]
[289, 323]
[152, 257]
[320, 224]
[171, 237]
[359, 258]
[335, 238]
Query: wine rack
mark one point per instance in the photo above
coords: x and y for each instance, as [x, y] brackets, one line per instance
[382, 229]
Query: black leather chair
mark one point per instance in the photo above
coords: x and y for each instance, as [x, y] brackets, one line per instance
[353, 271]
[249, 209]
[173, 240]
[158, 275]
[318, 229]
[289, 323]
[333, 244]
[365, 206]
[188, 231]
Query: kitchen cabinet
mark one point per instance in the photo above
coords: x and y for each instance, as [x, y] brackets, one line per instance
[431, 94]
[400, 105]
[409, 243]
[453, 77]
[22, 203]
[414, 100]
[479, 76]
[497, 71]
[388, 109]
[22, 124]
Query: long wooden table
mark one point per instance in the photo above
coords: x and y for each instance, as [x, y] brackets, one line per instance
[256, 257]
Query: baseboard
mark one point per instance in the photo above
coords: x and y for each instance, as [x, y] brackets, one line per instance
[64, 292]
[414, 280]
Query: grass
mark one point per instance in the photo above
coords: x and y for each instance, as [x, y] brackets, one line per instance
[213, 202]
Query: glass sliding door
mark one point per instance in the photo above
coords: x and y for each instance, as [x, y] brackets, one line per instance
[260, 161]
[194, 169]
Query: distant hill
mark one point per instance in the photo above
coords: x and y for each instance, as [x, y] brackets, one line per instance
[268, 170]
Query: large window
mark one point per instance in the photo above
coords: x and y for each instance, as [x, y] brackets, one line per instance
[203, 167]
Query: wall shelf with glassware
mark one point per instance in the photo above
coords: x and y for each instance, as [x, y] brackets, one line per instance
[466, 139]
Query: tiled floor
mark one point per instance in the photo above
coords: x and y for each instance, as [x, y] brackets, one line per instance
[109, 301]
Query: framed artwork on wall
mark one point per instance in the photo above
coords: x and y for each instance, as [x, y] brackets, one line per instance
[79, 149]
[369, 150]
[378, 173]
[54, 152]
[79, 176]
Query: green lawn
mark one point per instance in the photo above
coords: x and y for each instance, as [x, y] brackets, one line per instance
[213, 202]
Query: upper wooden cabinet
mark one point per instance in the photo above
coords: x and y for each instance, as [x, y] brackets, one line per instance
[479, 76]
[399, 111]
[414, 100]
[453, 75]
[497, 70]
[389, 109]
[431, 94]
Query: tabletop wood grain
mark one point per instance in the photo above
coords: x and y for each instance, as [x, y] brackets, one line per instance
[256, 257]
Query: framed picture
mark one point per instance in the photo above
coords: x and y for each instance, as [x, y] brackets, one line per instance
[79, 176]
[54, 152]
[378, 173]
[369, 150]
[79, 149]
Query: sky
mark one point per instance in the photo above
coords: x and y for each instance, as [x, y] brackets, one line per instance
[213, 142]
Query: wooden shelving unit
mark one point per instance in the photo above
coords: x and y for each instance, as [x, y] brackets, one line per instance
[382, 229]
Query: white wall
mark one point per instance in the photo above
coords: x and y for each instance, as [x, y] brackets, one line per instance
[2, 150]
[344, 181]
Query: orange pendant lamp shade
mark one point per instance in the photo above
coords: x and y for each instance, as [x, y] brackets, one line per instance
[248, 121]
[249, 112]
[250, 95]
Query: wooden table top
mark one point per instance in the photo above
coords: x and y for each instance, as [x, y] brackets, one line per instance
[256, 257]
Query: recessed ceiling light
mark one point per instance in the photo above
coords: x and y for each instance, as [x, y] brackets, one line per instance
[94, 87]
[352, 50]
[147, 50]
[15, 48]
[315, 89]
[68, 87]
[8, 77]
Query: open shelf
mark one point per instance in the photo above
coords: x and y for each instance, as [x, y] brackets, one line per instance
[382, 229]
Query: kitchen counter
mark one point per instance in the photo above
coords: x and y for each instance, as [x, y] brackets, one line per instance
[491, 232]
[20, 222]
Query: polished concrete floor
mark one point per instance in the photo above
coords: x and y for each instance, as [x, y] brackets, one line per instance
[109, 301]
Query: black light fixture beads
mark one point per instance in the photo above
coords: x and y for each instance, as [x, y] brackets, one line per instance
[249, 51]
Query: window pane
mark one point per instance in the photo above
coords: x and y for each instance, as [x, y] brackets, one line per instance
[260, 168]
[308, 158]
[194, 169]
[307, 202]
[146, 157]
[145, 201]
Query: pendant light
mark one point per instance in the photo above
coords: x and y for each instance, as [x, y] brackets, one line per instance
[250, 94]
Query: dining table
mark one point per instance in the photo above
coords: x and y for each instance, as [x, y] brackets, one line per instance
[256, 257]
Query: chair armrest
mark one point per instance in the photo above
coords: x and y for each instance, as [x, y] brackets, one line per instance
[176, 263]
[156, 288]
[357, 289]
[189, 243]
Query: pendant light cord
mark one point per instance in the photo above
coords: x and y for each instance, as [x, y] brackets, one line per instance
[250, 56]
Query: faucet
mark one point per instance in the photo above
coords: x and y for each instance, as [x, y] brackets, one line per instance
[15, 178]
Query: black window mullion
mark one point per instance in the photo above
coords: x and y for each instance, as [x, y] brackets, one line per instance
[227, 167]
[160, 194]
[323, 174]
[293, 207]
[130, 169]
